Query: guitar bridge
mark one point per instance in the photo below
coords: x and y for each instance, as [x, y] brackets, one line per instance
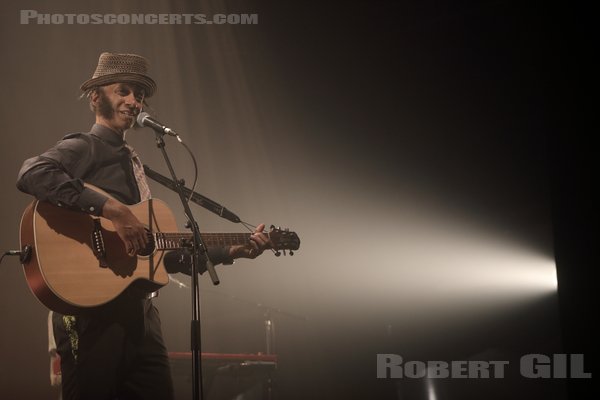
[98, 243]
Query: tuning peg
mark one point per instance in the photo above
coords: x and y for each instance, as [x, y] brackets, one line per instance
[277, 253]
[291, 252]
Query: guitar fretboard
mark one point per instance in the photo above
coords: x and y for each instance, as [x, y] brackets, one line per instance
[172, 241]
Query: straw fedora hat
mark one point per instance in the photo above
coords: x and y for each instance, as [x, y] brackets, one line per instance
[116, 68]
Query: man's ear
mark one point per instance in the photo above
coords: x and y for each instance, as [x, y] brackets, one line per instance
[94, 96]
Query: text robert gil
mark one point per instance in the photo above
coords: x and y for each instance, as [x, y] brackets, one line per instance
[530, 366]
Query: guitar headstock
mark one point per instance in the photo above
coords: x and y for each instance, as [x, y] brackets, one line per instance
[283, 239]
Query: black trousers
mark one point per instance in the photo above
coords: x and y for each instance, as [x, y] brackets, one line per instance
[114, 352]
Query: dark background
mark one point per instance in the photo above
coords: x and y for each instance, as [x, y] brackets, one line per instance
[419, 149]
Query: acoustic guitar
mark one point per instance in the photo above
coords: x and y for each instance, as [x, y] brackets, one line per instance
[78, 261]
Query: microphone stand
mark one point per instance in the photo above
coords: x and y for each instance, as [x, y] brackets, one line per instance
[198, 248]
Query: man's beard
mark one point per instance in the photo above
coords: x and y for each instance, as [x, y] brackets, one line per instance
[105, 108]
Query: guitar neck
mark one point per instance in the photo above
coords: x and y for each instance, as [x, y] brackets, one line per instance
[173, 241]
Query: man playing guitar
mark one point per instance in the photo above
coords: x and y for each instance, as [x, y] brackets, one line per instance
[114, 350]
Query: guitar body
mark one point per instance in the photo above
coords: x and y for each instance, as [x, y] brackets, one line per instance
[65, 274]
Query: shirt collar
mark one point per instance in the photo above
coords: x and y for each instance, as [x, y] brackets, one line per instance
[107, 134]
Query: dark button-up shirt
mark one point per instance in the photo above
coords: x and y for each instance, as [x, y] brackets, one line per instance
[100, 158]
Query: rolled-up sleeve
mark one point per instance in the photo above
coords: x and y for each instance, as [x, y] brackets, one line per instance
[52, 176]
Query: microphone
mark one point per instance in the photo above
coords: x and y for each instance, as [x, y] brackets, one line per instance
[144, 119]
